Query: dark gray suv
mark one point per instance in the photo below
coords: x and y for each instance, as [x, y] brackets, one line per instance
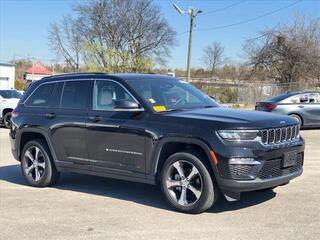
[152, 129]
[304, 106]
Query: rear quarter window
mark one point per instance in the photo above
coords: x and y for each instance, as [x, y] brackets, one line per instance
[279, 98]
[41, 96]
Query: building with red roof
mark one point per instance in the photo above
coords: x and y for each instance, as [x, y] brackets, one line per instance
[36, 72]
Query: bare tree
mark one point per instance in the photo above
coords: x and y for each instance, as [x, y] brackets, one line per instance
[213, 56]
[289, 53]
[66, 40]
[117, 35]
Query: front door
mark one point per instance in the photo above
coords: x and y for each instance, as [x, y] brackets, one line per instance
[115, 139]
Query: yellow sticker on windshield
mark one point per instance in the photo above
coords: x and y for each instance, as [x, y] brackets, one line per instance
[159, 108]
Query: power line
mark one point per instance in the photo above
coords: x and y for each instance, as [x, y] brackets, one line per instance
[250, 19]
[258, 37]
[224, 8]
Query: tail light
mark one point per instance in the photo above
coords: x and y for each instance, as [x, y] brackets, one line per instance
[265, 106]
[14, 114]
[270, 106]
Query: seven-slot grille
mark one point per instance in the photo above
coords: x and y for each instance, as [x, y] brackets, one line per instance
[279, 135]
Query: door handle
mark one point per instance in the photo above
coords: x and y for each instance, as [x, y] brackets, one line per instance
[95, 118]
[50, 115]
[301, 106]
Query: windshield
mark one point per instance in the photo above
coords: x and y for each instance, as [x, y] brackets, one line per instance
[10, 94]
[170, 94]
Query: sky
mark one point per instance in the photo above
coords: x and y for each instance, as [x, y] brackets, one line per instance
[24, 25]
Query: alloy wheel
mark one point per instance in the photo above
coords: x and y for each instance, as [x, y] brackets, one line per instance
[184, 183]
[34, 163]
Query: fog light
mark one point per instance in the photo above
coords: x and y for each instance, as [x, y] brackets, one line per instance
[243, 168]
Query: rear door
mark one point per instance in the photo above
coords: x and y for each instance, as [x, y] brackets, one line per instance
[312, 109]
[115, 139]
[308, 106]
[67, 116]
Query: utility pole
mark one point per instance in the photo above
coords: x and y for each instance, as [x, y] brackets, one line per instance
[192, 13]
[192, 16]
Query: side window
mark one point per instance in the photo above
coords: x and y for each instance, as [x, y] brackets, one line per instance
[302, 99]
[313, 98]
[75, 94]
[41, 97]
[307, 98]
[106, 93]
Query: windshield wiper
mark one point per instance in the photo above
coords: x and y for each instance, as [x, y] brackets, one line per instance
[171, 110]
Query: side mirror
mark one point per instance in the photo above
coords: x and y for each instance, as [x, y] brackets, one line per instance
[127, 105]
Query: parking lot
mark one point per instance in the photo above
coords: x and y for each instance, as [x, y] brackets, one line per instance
[87, 207]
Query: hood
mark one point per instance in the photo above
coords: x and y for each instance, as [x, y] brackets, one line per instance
[9, 102]
[237, 118]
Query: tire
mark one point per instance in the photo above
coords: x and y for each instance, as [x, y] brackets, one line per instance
[298, 118]
[37, 164]
[7, 120]
[200, 191]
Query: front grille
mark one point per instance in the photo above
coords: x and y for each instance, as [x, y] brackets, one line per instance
[273, 168]
[279, 135]
[240, 170]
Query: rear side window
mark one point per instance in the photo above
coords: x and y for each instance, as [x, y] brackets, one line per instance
[75, 94]
[41, 96]
[306, 98]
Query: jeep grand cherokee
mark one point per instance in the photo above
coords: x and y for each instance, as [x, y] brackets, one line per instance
[152, 129]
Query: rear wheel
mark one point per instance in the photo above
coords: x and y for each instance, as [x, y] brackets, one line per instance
[7, 120]
[37, 165]
[299, 119]
[187, 184]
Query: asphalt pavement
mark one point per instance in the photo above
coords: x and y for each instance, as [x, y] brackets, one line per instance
[88, 207]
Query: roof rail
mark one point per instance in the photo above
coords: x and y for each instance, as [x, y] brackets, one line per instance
[76, 73]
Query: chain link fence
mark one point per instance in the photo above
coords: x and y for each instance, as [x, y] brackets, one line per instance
[228, 91]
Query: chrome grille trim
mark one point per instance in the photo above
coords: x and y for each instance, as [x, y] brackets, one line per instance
[279, 135]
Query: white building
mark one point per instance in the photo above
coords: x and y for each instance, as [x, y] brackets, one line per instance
[7, 75]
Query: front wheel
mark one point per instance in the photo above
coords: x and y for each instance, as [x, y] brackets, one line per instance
[187, 184]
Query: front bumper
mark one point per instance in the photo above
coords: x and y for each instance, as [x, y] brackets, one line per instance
[269, 173]
[257, 184]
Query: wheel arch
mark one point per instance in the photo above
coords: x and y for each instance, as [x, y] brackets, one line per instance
[6, 110]
[29, 134]
[299, 115]
[169, 146]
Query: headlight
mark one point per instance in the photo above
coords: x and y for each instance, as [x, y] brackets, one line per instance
[240, 135]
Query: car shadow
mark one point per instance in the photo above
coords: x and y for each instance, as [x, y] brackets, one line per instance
[129, 191]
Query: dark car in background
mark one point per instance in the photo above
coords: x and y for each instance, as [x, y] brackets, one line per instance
[304, 106]
[152, 129]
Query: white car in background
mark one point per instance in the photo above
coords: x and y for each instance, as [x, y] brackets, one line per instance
[8, 101]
